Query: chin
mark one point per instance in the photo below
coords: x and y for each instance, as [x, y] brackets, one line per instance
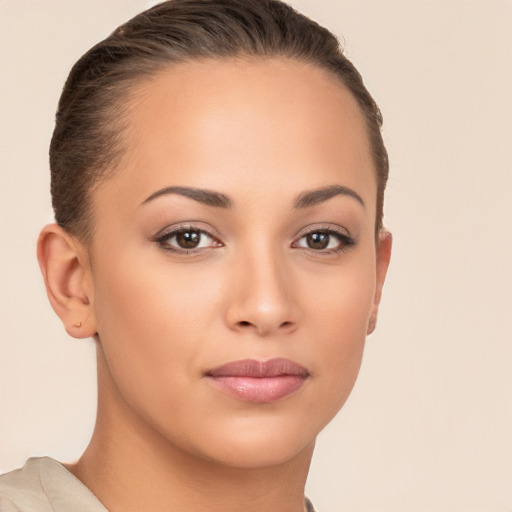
[252, 455]
[258, 444]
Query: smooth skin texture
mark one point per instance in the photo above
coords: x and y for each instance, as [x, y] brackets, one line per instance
[259, 284]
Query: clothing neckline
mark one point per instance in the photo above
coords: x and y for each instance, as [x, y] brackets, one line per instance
[51, 475]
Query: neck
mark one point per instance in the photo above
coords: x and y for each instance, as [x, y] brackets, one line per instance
[130, 467]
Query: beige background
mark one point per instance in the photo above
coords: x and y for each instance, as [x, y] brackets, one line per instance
[428, 427]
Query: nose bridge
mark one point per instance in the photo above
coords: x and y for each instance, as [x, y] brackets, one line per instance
[262, 298]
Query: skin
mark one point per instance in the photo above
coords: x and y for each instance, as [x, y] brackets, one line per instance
[262, 133]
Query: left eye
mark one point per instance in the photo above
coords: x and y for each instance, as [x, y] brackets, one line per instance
[187, 239]
[323, 241]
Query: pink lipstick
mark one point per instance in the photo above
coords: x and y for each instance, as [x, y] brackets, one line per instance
[259, 381]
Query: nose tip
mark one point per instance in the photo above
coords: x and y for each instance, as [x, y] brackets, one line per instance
[262, 301]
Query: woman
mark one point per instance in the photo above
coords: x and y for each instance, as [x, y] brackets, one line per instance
[217, 179]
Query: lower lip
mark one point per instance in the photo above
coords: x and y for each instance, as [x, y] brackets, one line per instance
[259, 389]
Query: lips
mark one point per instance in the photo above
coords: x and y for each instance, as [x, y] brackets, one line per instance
[259, 381]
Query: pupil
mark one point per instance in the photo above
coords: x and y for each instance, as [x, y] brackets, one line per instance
[318, 240]
[188, 239]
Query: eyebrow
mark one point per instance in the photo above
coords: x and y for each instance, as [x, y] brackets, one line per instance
[206, 197]
[314, 197]
[219, 200]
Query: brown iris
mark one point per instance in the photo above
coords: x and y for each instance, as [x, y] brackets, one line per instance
[317, 240]
[188, 239]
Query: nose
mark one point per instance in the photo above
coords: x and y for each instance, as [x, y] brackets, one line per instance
[262, 298]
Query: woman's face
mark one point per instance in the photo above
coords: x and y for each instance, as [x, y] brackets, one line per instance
[234, 269]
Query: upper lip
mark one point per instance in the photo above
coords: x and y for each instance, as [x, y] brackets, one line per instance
[253, 368]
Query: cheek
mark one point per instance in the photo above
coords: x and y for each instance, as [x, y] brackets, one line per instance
[142, 297]
[343, 298]
[339, 318]
[149, 323]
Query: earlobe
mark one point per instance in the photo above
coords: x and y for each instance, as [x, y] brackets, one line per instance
[384, 244]
[65, 267]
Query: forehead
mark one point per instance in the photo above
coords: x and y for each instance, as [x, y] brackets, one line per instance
[229, 124]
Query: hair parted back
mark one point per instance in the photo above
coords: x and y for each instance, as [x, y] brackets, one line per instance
[87, 142]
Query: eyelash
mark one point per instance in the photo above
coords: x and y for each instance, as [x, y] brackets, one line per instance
[163, 239]
[344, 240]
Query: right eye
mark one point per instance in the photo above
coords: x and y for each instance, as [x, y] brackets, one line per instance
[187, 240]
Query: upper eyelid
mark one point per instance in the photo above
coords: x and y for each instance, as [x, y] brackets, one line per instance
[341, 233]
[214, 233]
[191, 225]
[330, 228]
[167, 234]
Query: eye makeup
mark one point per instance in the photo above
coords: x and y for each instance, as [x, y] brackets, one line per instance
[324, 240]
[188, 239]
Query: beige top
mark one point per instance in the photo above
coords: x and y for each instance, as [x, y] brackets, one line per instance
[44, 485]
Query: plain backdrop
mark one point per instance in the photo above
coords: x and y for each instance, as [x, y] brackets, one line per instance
[428, 426]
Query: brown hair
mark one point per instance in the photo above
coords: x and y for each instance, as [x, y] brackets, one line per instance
[87, 140]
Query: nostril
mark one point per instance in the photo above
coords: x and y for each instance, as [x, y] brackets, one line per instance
[286, 324]
[245, 323]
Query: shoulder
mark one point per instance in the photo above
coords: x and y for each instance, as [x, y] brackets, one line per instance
[21, 489]
[44, 485]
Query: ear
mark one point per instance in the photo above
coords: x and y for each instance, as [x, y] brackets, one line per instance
[65, 267]
[384, 244]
